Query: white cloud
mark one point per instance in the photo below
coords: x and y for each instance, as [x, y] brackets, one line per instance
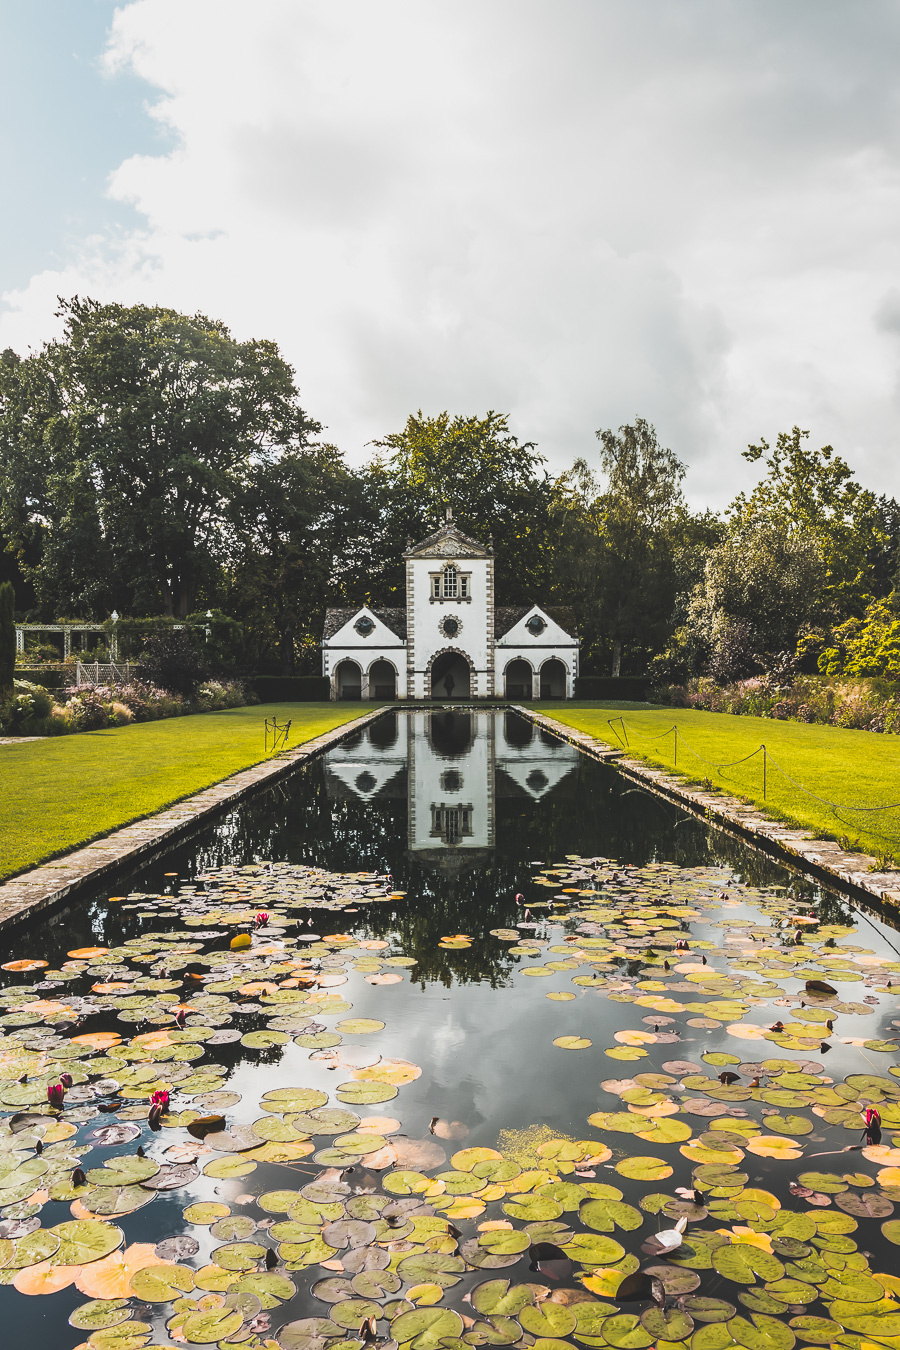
[574, 212]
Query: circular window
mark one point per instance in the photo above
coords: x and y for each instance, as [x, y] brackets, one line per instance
[450, 627]
[364, 626]
[537, 780]
[366, 781]
[535, 625]
[451, 780]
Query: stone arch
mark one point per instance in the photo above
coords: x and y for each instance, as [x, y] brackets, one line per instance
[518, 678]
[382, 679]
[455, 665]
[347, 679]
[554, 678]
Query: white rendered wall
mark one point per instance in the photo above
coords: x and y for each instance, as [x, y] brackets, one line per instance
[474, 615]
[552, 642]
[381, 644]
[475, 790]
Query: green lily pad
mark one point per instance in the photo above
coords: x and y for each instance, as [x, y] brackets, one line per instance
[548, 1319]
[364, 1092]
[162, 1284]
[320, 1040]
[325, 1120]
[125, 1170]
[816, 1330]
[670, 1325]
[432, 1268]
[593, 1249]
[270, 1286]
[603, 1216]
[34, 1248]
[761, 1332]
[495, 1297]
[349, 1313]
[126, 1336]
[624, 1330]
[224, 1169]
[532, 1208]
[264, 1040]
[111, 1200]
[82, 1241]
[644, 1168]
[293, 1100]
[100, 1313]
[210, 1324]
[426, 1328]
[504, 1241]
[241, 1256]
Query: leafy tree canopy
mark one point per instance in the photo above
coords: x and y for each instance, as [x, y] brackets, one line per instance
[814, 491]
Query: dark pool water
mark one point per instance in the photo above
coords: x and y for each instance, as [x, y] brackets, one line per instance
[462, 809]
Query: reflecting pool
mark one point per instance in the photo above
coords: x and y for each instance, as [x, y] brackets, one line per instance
[457, 1039]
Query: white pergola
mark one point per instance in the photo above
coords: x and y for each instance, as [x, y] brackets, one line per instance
[67, 629]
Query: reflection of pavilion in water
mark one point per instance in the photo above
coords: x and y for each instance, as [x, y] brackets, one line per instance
[451, 767]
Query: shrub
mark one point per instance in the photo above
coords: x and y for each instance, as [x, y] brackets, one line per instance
[215, 694]
[172, 660]
[24, 710]
[87, 709]
[146, 703]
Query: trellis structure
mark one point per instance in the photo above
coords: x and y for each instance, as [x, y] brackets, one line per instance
[67, 629]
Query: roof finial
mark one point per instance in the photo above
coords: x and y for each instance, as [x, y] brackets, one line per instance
[448, 514]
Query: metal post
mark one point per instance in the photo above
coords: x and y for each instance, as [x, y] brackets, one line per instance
[764, 772]
[675, 729]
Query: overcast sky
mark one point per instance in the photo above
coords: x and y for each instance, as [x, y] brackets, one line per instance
[574, 211]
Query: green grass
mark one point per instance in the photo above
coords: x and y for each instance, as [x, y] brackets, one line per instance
[854, 768]
[60, 793]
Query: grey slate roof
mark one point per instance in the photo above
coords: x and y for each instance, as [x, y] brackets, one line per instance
[394, 619]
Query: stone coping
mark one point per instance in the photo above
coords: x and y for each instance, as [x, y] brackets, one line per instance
[52, 882]
[823, 859]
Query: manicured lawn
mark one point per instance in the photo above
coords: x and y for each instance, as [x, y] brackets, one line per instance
[59, 793]
[854, 768]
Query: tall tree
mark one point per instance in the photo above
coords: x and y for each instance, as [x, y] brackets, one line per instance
[494, 483]
[123, 445]
[299, 527]
[814, 492]
[640, 510]
[7, 638]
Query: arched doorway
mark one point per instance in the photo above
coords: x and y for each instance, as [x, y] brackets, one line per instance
[450, 734]
[553, 679]
[518, 677]
[382, 679]
[451, 676]
[348, 680]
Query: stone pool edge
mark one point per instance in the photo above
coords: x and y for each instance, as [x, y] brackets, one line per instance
[822, 858]
[50, 883]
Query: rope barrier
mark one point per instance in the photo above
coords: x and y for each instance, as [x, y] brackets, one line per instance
[730, 764]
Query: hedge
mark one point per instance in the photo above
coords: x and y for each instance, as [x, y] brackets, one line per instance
[618, 688]
[290, 688]
[48, 679]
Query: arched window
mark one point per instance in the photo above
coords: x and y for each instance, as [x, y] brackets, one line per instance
[451, 583]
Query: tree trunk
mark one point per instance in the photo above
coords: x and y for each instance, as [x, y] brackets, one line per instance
[616, 659]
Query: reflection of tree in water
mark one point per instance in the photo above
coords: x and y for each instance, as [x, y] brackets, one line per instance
[592, 811]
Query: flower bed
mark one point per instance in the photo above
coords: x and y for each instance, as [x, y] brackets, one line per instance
[32, 710]
[865, 705]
